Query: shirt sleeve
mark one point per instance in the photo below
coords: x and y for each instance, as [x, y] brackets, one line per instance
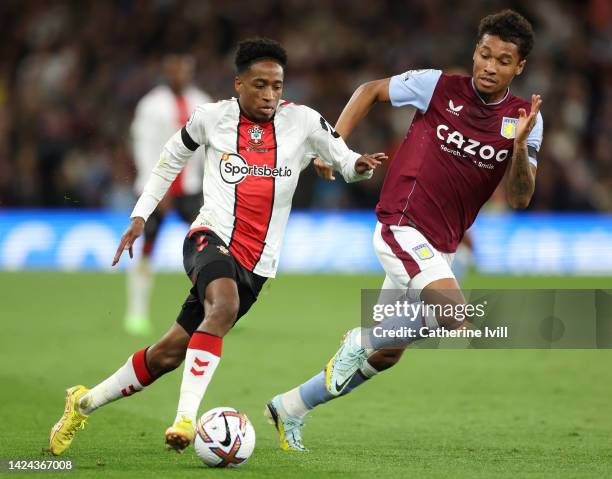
[331, 148]
[177, 150]
[534, 140]
[414, 87]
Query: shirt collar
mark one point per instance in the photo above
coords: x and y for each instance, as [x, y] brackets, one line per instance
[482, 99]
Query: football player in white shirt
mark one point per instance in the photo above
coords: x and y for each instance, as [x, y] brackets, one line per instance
[158, 115]
[255, 147]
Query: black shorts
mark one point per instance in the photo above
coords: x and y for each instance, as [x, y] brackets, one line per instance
[206, 258]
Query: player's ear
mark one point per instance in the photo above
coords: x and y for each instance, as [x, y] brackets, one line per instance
[237, 84]
[520, 67]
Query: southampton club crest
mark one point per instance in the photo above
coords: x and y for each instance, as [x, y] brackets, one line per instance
[256, 133]
[508, 127]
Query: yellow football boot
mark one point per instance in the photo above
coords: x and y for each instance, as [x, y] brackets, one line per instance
[180, 434]
[63, 432]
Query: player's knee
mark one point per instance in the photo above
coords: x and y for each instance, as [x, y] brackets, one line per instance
[450, 322]
[223, 312]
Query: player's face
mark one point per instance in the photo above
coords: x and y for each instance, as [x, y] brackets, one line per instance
[179, 71]
[259, 89]
[496, 62]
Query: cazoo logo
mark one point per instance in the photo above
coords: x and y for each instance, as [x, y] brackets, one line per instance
[466, 145]
[234, 169]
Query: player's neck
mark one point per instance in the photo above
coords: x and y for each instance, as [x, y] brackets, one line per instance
[177, 91]
[491, 98]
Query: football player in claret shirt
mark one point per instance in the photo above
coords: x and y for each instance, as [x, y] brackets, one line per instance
[254, 148]
[469, 132]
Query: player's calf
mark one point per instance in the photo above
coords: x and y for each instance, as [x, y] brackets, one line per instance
[169, 352]
[385, 359]
[203, 354]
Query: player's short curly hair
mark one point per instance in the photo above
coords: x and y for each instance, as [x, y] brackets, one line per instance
[510, 26]
[253, 49]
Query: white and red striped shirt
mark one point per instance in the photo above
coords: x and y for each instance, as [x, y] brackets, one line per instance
[158, 115]
[251, 171]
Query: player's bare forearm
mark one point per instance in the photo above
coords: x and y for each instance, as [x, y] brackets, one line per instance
[360, 103]
[521, 178]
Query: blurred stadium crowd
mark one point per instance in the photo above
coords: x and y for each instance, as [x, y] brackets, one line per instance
[71, 73]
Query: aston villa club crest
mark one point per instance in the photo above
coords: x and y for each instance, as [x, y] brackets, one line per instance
[256, 133]
[508, 127]
[423, 251]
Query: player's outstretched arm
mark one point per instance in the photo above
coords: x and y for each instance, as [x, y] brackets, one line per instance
[521, 176]
[360, 103]
[355, 110]
[127, 240]
[331, 149]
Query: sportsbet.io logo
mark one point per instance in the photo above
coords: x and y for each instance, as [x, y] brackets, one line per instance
[234, 169]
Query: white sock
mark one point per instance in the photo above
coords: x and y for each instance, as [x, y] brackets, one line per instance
[130, 378]
[203, 356]
[293, 403]
[139, 286]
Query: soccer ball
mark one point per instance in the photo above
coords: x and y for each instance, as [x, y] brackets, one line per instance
[224, 437]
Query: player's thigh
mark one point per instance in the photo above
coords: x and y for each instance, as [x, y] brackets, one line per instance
[207, 260]
[221, 300]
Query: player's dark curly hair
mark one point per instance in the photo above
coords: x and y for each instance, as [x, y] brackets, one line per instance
[254, 49]
[510, 26]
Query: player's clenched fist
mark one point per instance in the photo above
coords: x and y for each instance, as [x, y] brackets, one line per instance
[127, 240]
[369, 162]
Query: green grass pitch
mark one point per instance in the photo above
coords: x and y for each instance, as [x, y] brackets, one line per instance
[439, 413]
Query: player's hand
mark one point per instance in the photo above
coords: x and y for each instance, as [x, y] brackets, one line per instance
[127, 240]
[369, 162]
[527, 122]
[323, 171]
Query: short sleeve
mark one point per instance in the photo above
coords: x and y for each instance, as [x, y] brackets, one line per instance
[414, 87]
[534, 140]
